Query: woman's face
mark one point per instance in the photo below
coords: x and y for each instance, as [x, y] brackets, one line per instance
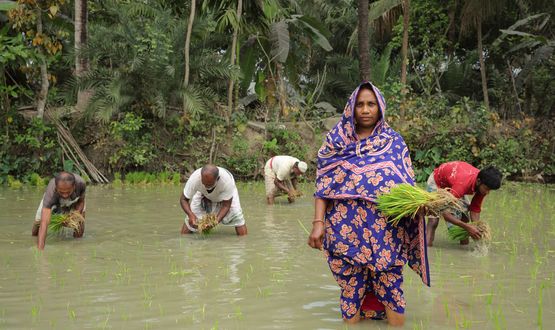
[367, 112]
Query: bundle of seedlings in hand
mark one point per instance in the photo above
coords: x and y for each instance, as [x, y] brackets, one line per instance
[71, 220]
[405, 200]
[207, 222]
[457, 233]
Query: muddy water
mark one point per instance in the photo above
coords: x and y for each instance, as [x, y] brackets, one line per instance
[133, 270]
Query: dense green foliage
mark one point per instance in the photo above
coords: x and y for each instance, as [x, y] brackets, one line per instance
[300, 58]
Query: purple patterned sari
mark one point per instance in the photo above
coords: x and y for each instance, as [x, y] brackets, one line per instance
[351, 173]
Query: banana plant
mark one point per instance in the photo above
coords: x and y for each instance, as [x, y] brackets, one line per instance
[270, 56]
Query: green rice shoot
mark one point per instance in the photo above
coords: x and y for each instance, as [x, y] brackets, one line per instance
[405, 200]
[457, 233]
[71, 220]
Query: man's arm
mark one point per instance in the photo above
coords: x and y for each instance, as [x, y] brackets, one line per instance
[80, 205]
[184, 202]
[294, 183]
[472, 230]
[474, 216]
[281, 185]
[224, 210]
[45, 215]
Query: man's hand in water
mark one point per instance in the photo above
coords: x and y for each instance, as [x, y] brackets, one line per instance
[474, 232]
[193, 221]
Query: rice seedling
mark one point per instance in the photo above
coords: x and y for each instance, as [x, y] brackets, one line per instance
[303, 226]
[147, 297]
[105, 325]
[405, 200]
[238, 313]
[70, 313]
[540, 306]
[457, 233]
[71, 220]
[207, 222]
[35, 313]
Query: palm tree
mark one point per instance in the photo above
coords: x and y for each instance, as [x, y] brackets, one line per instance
[474, 12]
[44, 83]
[232, 59]
[188, 42]
[363, 46]
[81, 61]
[405, 44]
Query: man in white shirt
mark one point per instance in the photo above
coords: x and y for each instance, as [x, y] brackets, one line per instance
[280, 176]
[212, 189]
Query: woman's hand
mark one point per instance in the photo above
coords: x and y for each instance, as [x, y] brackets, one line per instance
[316, 237]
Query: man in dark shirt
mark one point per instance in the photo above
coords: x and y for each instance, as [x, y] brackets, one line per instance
[64, 193]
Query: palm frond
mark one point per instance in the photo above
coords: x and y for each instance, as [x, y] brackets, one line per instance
[279, 36]
[193, 100]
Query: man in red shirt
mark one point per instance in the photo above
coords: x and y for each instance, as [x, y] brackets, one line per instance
[462, 179]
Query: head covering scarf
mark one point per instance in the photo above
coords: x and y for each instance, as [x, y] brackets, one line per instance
[382, 158]
[354, 168]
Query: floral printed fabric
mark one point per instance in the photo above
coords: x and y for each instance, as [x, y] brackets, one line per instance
[357, 281]
[364, 251]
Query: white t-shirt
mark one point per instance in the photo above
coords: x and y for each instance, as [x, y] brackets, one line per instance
[282, 165]
[225, 186]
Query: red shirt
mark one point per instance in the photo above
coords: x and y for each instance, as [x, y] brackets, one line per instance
[461, 178]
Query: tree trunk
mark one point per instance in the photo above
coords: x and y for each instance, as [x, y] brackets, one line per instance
[363, 44]
[452, 28]
[4, 97]
[482, 65]
[81, 62]
[515, 92]
[405, 45]
[404, 56]
[282, 90]
[44, 84]
[232, 61]
[187, 46]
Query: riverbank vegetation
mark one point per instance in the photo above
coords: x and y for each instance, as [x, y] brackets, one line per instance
[109, 88]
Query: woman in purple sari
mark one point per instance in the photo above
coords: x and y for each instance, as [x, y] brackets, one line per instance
[361, 158]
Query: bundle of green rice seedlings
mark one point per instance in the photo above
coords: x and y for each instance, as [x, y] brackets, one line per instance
[405, 200]
[207, 222]
[71, 220]
[457, 233]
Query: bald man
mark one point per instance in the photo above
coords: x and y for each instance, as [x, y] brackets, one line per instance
[64, 193]
[211, 189]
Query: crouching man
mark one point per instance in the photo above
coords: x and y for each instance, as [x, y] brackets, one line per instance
[65, 193]
[212, 190]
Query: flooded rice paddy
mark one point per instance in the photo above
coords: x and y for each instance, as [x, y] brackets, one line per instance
[133, 270]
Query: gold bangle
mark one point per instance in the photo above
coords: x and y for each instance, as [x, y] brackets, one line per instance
[317, 220]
